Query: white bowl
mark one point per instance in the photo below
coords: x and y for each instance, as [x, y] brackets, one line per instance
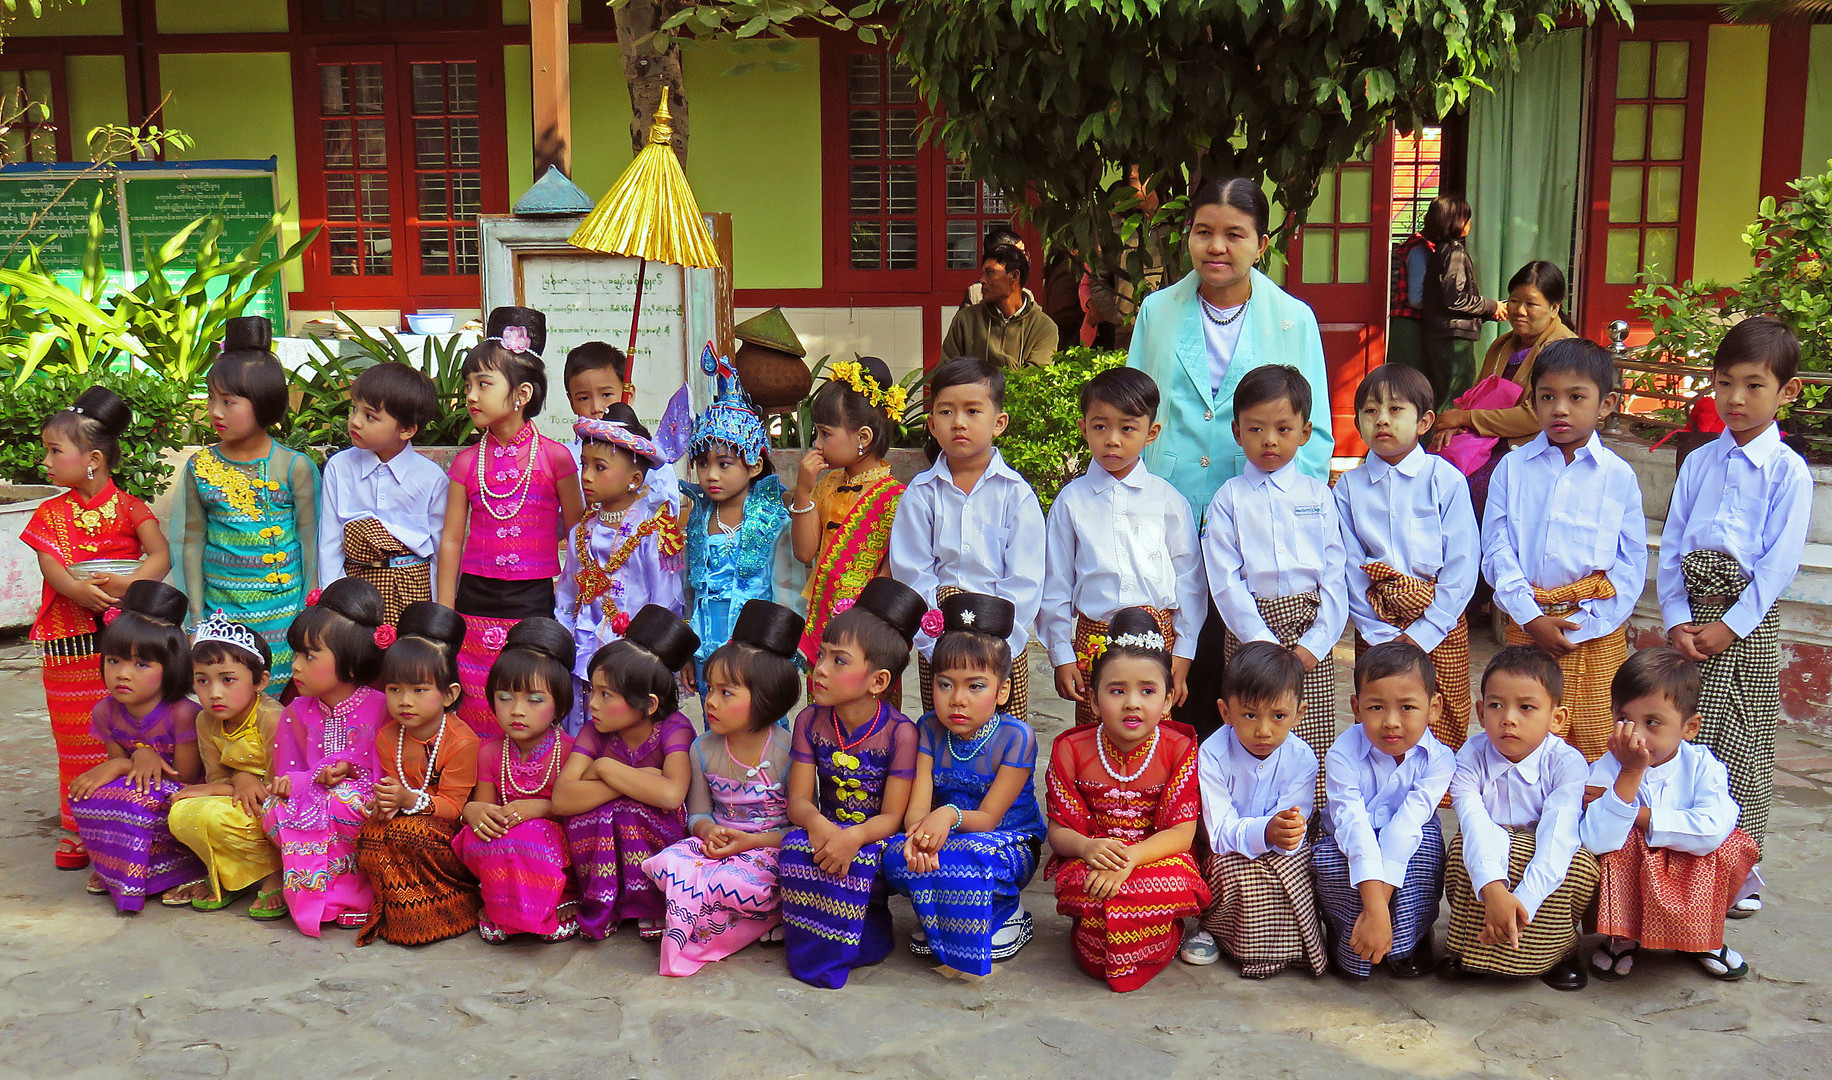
[431, 322]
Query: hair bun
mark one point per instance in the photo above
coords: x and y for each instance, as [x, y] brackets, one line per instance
[356, 600]
[770, 627]
[106, 408]
[434, 622]
[527, 318]
[662, 632]
[545, 636]
[248, 333]
[878, 370]
[978, 613]
[156, 600]
[894, 602]
[1135, 620]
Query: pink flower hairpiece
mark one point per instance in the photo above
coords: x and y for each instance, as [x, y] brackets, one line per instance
[113, 613]
[620, 624]
[842, 605]
[516, 339]
[493, 637]
[933, 623]
[311, 598]
[385, 636]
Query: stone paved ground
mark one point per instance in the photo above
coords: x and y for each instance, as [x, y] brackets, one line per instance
[87, 993]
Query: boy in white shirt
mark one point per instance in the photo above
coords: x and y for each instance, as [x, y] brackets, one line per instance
[1258, 787]
[1564, 543]
[1272, 547]
[1118, 537]
[1734, 536]
[970, 523]
[1380, 863]
[1664, 826]
[1413, 547]
[382, 505]
[1517, 880]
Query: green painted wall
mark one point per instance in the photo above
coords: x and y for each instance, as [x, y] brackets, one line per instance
[1816, 148]
[221, 17]
[97, 88]
[65, 17]
[238, 105]
[515, 12]
[1730, 158]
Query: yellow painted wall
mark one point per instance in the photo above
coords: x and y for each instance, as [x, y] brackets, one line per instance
[1730, 158]
[239, 105]
[66, 17]
[515, 12]
[1816, 147]
[97, 88]
[221, 16]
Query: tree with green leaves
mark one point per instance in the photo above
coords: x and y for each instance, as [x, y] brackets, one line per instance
[1098, 115]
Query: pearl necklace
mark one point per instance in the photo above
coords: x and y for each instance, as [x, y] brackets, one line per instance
[518, 491]
[432, 757]
[990, 727]
[337, 731]
[547, 774]
[612, 519]
[1151, 751]
[1216, 316]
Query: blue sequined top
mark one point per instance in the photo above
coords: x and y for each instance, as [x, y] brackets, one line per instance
[723, 572]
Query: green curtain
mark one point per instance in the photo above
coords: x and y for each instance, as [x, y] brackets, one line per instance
[1523, 164]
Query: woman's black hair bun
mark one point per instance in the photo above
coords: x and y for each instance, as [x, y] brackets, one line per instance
[979, 613]
[770, 627]
[545, 636]
[356, 600]
[662, 632]
[434, 622]
[894, 602]
[248, 333]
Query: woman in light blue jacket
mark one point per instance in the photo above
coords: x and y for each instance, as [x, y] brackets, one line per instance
[1196, 339]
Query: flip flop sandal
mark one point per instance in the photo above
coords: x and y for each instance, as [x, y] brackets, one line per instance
[170, 896]
[1616, 963]
[218, 904]
[94, 886]
[263, 910]
[651, 929]
[71, 854]
[1718, 966]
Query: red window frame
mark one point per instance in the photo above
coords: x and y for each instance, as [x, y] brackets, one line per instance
[406, 287]
[53, 64]
[312, 19]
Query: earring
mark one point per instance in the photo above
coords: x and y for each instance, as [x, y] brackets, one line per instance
[92, 472]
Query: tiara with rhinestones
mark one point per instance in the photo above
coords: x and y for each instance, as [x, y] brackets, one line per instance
[218, 628]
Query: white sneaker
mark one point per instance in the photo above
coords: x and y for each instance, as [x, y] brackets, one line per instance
[1014, 935]
[1199, 948]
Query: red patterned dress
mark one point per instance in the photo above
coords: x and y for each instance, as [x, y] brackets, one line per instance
[1130, 937]
[71, 530]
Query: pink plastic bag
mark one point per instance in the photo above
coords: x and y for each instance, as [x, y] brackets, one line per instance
[1467, 450]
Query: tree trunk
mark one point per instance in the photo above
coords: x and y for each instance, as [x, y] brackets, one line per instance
[646, 70]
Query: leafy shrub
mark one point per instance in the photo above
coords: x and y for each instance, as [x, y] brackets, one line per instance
[1044, 440]
[321, 388]
[162, 413]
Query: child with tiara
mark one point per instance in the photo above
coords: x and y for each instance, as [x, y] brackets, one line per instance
[324, 767]
[621, 791]
[853, 761]
[90, 522]
[249, 517]
[511, 840]
[511, 501]
[220, 818]
[738, 515]
[428, 757]
[720, 882]
[842, 520]
[973, 830]
[626, 553]
[148, 729]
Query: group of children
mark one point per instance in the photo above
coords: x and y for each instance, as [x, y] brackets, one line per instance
[483, 726]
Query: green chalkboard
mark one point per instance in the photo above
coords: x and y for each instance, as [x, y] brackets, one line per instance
[64, 230]
[160, 205]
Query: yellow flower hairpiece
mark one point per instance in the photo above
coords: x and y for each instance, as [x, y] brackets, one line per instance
[853, 374]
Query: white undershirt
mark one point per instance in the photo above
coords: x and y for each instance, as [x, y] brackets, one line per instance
[1220, 339]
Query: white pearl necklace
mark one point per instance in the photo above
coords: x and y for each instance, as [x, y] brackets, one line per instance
[421, 798]
[547, 774]
[1151, 751]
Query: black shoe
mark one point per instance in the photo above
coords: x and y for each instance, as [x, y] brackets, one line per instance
[1568, 974]
[1414, 965]
[1346, 975]
[1451, 967]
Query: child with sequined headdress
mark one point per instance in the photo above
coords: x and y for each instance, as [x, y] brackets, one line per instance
[625, 554]
[738, 516]
[842, 518]
[511, 501]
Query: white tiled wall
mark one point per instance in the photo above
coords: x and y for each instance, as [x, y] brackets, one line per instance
[893, 334]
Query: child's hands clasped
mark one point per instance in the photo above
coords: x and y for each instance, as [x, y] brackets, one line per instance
[1106, 853]
[1106, 884]
[390, 797]
[333, 774]
[1701, 642]
[248, 792]
[922, 847]
[488, 820]
[1286, 829]
[723, 842]
[835, 852]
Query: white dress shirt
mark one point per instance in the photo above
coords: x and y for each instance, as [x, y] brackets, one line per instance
[1492, 795]
[1689, 796]
[1549, 523]
[1242, 793]
[1376, 805]
[988, 540]
[1415, 517]
[1750, 502]
[1113, 543]
[406, 494]
[1269, 535]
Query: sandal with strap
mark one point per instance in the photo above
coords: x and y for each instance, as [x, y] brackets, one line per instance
[179, 895]
[1614, 962]
[268, 904]
[71, 854]
[206, 903]
[94, 886]
[1725, 964]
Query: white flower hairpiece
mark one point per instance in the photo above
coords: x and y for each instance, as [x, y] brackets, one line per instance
[1151, 640]
[218, 628]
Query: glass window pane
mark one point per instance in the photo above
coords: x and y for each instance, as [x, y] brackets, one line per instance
[1622, 256]
[1632, 61]
[44, 144]
[1658, 254]
[865, 79]
[9, 83]
[1319, 256]
[867, 196]
[1667, 133]
[962, 192]
[867, 245]
[900, 243]
[334, 90]
[374, 188]
[1672, 64]
[367, 82]
[863, 137]
[38, 87]
[340, 198]
[14, 138]
[461, 89]
[429, 143]
[1323, 211]
[1663, 193]
[1355, 199]
[1625, 193]
[901, 190]
[991, 202]
[1631, 132]
[466, 143]
[900, 133]
[901, 88]
[339, 150]
[467, 196]
[435, 251]
[1352, 256]
[378, 252]
[467, 250]
[428, 89]
[433, 198]
[963, 244]
[371, 142]
[345, 258]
